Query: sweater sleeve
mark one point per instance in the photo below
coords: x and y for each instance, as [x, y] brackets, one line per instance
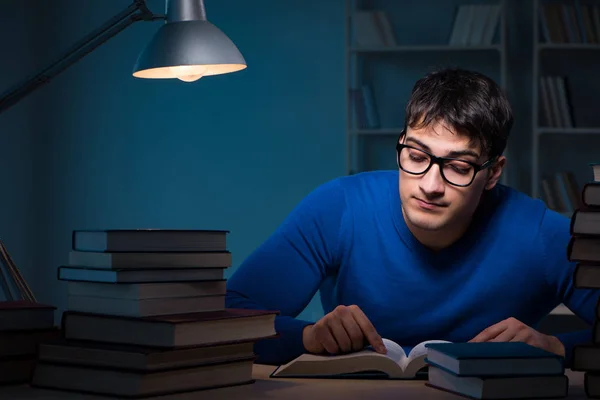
[555, 235]
[285, 271]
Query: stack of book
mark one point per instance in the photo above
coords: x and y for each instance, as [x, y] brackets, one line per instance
[496, 370]
[584, 248]
[24, 323]
[146, 317]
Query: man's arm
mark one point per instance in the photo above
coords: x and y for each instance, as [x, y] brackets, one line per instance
[555, 236]
[286, 271]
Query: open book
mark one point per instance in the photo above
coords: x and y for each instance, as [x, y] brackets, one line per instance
[396, 364]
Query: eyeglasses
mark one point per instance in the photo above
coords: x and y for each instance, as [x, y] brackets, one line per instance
[454, 171]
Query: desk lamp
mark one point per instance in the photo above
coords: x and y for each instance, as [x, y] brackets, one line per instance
[185, 47]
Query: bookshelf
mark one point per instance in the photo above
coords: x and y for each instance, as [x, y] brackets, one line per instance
[565, 128]
[407, 54]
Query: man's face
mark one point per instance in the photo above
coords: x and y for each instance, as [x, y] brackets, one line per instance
[428, 201]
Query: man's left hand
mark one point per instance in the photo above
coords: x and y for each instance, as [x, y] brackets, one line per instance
[513, 330]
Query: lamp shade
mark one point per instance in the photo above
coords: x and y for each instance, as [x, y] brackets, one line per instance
[188, 47]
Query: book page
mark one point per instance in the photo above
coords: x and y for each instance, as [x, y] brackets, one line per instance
[420, 350]
[394, 351]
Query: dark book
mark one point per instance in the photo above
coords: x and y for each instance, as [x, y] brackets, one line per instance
[586, 357]
[585, 222]
[16, 369]
[587, 275]
[591, 384]
[140, 358]
[125, 260]
[25, 342]
[171, 331]
[494, 359]
[145, 307]
[499, 387]
[149, 240]
[135, 384]
[85, 274]
[141, 291]
[590, 194]
[24, 315]
[584, 249]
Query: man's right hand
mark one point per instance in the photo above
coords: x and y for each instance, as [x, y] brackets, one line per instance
[343, 330]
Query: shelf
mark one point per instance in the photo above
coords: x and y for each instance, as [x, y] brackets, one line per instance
[404, 49]
[568, 131]
[373, 132]
[568, 46]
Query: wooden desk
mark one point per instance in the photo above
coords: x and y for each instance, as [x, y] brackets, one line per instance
[282, 388]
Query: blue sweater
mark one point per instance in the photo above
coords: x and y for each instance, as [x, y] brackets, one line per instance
[349, 240]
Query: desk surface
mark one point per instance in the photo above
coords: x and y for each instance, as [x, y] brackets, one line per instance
[287, 388]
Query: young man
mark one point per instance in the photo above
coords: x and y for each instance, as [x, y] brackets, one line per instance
[436, 250]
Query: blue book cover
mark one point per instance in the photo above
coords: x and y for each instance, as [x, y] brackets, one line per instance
[494, 359]
[490, 350]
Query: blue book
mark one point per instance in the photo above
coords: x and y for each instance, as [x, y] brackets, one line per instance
[499, 387]
[494, 359]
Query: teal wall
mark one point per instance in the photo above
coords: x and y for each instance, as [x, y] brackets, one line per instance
[230, 152]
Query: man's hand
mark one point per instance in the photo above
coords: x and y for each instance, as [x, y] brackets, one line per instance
[343, 330]
[513, 330]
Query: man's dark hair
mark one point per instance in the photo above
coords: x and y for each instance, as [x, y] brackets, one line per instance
[469, 102]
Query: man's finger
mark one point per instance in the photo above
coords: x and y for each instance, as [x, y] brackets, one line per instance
[505, 336]
[368, 330]
[340, 335]
[354, 331]
[490, 332]
[325, 337]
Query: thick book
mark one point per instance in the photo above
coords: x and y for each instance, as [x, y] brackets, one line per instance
[136, 384]
[25, 315]
[149, 240]
[499, 387]
[585, 222]
[586, 357]
[171, 331]
[145, 307]
[587, 275]
[126, 260]
[590, 194]
[140, 358]
[584, 249]
[494, 359]
[141, 291]
[396, 364]
[85, 274]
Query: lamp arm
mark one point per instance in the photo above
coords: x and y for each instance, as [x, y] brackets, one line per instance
[137, 11]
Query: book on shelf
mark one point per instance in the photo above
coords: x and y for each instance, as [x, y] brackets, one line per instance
[569, 22]
[372, 29]
[475, 24]
[397, 363]
[557, 107]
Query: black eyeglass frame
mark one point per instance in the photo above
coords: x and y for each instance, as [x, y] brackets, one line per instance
[440, 162]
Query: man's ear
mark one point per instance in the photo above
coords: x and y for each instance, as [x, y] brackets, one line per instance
[495, 172]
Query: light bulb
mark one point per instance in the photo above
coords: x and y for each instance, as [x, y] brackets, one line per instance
[189, 73]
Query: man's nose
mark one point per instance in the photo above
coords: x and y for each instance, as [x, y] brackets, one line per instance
[432, 181]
